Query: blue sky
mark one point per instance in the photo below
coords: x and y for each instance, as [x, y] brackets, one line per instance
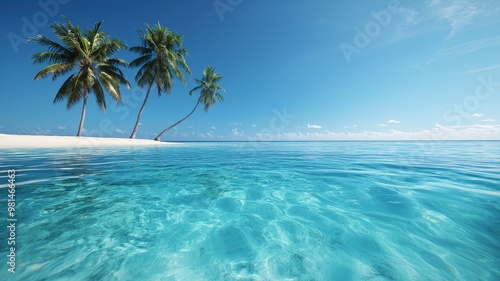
[293, 70]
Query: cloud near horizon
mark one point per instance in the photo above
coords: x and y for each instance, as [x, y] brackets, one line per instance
[438, 132]
[386, 124]
[392, 121]
[309, 126]
[236, 133]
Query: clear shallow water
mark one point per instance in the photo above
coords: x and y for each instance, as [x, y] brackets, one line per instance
[265, 211]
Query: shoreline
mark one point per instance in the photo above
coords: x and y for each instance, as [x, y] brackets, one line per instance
[36, 141]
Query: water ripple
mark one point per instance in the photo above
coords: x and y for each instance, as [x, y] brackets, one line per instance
[268, 211]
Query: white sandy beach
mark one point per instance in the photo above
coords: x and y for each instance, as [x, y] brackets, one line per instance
[31, 141]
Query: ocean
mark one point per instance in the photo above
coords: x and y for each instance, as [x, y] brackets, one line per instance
[414, 210]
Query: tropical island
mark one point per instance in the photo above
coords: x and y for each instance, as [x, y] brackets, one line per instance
[346, 153]
[88, 57]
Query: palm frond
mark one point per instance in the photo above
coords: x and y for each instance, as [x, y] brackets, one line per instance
[52, 46]
[65, 89]
[52, 57]
[195, 89]
[99, 96]
[146, 74]
[111, 85]
[140, 60]
[75, 92]
[116, 62]
[92, 51]
[161, 58]
[140, 50]
[114, 73]
[55, 70]
[209, 87]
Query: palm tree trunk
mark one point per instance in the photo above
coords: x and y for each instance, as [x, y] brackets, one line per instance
[178, 122]
[134, 131]
[79, 133]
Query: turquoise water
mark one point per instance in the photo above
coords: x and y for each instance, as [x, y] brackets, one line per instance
[256, 211]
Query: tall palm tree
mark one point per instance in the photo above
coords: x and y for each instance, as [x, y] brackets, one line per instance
[89, 56]
[161, 59]
[208, 87]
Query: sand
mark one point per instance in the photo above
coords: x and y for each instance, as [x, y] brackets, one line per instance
[31, 141]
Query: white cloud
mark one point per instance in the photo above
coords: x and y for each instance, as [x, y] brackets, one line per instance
[410, 16]
[392, 121]
[458, 13]
[120, 131]
[235, 124]
[415, 18]
[254, 126]
[482, 69]
[476, 115]
[309, 126]
[488, 120]
[466, 48]
[39, 131]
[438, 132]
[237, 133]
[61, 128]
[208, 135]
[213, 128]
[190, 127]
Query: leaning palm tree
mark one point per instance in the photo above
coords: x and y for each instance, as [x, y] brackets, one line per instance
[208, 87]
[161, 59]
[89, 56]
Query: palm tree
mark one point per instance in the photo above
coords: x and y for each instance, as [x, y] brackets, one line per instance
[161, 60]
[208, 94]
[89, 55]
